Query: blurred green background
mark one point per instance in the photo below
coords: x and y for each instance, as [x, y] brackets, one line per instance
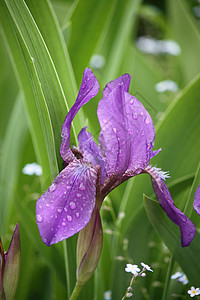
[44, 49]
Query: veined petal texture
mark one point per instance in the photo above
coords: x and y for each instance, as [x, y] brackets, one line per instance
[127, 130]
[91, 151]
[66, 207]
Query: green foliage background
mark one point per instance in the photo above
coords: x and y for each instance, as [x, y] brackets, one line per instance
[44, 48]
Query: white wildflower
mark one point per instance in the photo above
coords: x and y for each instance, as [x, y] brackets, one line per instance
[32, 169]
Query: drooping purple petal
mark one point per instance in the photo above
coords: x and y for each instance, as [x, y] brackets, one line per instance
[91, 151]
[89, 89]
[127, 132]
[124, 79]
[196, 204]
[66, 207]
[187, 228]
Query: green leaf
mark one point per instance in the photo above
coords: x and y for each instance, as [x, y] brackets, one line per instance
[187, 33]
[121, 37]
[169, 232]
[90, 21]
[38, 52]
[38, 115]
[14, 141]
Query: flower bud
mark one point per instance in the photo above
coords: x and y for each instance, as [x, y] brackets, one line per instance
[89, 247]
[10, 267]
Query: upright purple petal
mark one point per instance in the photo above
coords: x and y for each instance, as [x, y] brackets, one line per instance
[124, 79]
[187, 228]
[127, 132]
[91, 151]
[66, 207]
[196, 204]
[89, 89]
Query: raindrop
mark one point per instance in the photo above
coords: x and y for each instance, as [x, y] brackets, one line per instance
[52, 187]
[69, 218]
[63, 223]
[82, 187]
[142, 133]
[78, 195]
[40, 206]
[72, 205]
[114, 130]
[47, 205]
[131, 101]
[62, 134]
[83, 85]
[77, 215]
[59, 210]
[65, 209]
[39, 218]
[135, 116]
[147, 121]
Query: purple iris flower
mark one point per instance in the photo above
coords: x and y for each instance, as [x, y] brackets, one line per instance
[125, 148]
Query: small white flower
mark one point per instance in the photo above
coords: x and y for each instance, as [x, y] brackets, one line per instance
[146, 267]
[97, 61]
[176, 275]
[32, 169]
[128, 295]
[193, 292]
[107, 295]
[132, 269]
[183, 279]
[156, 47]
[166, 85]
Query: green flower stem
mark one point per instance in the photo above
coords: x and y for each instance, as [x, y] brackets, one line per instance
[76, 291]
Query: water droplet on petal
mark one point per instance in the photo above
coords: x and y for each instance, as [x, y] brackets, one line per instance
[114, 130]
[59, 210]
[78, 195]
[72, 205]
[63, 223]
[135, 116]
[83, 84]
[65, 209]
[39, 218]
[147, 121]
[82, 187]
[47, 204]
[142, 133]
[69, 218]
[52, 187]
[77, 215]
[131, 101]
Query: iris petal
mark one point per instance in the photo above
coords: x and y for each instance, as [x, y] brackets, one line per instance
[187, 228]
[196, 204]
[127, 131]
[66, 207]
[90, 150]
[89, 89]
[124, 80]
